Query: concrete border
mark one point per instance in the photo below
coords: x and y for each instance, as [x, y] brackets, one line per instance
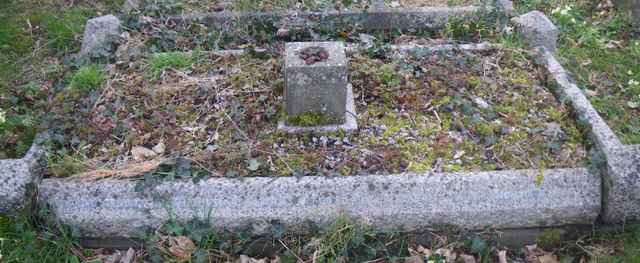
[350, 124]
[621, 164]
[374, 19]
[474, 200]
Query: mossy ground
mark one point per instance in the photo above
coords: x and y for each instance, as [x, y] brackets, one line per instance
[454, 111]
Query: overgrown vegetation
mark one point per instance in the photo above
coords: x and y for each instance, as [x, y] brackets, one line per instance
[87, 78]
[32, 240]
[600, 47]
[36, 39]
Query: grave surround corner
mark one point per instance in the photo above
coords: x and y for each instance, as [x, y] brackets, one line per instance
[537, 30]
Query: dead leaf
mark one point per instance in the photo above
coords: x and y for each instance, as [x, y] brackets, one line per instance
[159, 148]
[548, 258]
[129, 256]
[140, 153]
[502, 256]
[414, 259]
[181, 248]
[468, 258]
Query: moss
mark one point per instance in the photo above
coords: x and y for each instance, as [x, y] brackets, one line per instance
[308, 119]
[549, 238]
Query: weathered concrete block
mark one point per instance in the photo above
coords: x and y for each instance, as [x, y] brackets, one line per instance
[473, 200]
[17, 178]
[99, 34]
[621, 181]
[537, 30]
[316, 86]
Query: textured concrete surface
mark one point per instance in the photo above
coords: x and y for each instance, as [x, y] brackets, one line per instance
[506, 7]
[320, 87]
[99, 34]
[17, 180]
[537, 30]
[131, 5]
[350, 124]
[567, 91]
[409, 18]
[501, 199]
[621, 181]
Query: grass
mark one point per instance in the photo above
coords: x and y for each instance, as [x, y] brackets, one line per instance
[171, 60]
[26, 240]
[87, 78]
[29, 239]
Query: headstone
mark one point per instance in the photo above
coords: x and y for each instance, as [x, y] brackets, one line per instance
[537, 30]
[99, 34]
[316, 80]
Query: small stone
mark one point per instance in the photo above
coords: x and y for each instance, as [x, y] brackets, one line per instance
[324, 141]
[99, 33]
[481, 103]
[367, 40]
[159, 148]
[553, 130]
[282, 32]
[141, 153]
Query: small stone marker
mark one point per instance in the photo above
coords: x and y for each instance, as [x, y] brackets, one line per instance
[99, 33]
[537, 30]
[316, 84]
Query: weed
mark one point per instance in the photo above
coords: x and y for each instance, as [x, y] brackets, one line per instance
[87, 78]
[27, 240]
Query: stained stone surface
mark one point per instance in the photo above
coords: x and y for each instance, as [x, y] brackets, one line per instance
[621, 181]
[320, 87]
[537, 30]
[17, 178]
[473, 200]
[99, 34]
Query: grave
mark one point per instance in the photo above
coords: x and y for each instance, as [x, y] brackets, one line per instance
[412, 111]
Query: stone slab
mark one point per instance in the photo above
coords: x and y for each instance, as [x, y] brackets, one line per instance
[350, 124]
[474, 200]
[537, 30]
[320, 87]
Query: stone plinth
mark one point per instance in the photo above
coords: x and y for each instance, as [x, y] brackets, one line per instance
[316, 87]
